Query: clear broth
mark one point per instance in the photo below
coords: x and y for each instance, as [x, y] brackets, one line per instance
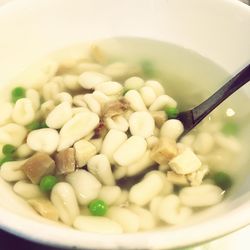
[186, 76]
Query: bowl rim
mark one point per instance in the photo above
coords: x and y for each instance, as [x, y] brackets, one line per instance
[235, 219]
[195, 234]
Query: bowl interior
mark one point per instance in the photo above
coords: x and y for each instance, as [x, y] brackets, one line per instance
[194, 25]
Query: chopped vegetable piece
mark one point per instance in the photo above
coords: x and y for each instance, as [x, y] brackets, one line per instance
[185, 162]
[100, 131]
[98, 207]
[43, 125]
[223, 180]
[230, 128]
[116, 107]
[34, 125]
[39, 165]
[171, 112]
[65, 161]
[125, 91]
[6, 159]
[18, 93]
[164, 150]
[47, 183]
[8, 149]
[84, 150]
[148, 68]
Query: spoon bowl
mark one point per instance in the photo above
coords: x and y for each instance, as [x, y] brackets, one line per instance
[193, 117]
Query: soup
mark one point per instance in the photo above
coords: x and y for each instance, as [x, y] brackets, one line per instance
[91, 137]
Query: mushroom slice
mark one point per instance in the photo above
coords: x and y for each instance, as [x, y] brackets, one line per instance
[116, 107]
[37, 166]
[65, 161]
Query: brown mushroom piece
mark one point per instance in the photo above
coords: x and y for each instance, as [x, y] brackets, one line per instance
[116, 107]
[100, 131]
[65, 161]
[37, 166]
[164, 150]
[177, 179]
[160, 117]
[45, 208]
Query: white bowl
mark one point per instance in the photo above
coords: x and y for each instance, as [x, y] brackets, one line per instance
[218, 30]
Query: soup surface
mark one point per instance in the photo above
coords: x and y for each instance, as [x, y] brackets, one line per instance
[90, 137]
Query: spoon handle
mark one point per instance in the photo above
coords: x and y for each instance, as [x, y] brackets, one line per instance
[203, 109]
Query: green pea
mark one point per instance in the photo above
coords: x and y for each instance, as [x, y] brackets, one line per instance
[230, 128]
[18, 93]
[171, 112]
[6, 158]
[43, 125]
[8, 149]
[223, 180]
[125, 91]
[148, 68]
[34, 125]
[98, 207]
[47, 183]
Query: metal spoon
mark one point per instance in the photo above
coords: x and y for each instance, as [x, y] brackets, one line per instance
[192, 117]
